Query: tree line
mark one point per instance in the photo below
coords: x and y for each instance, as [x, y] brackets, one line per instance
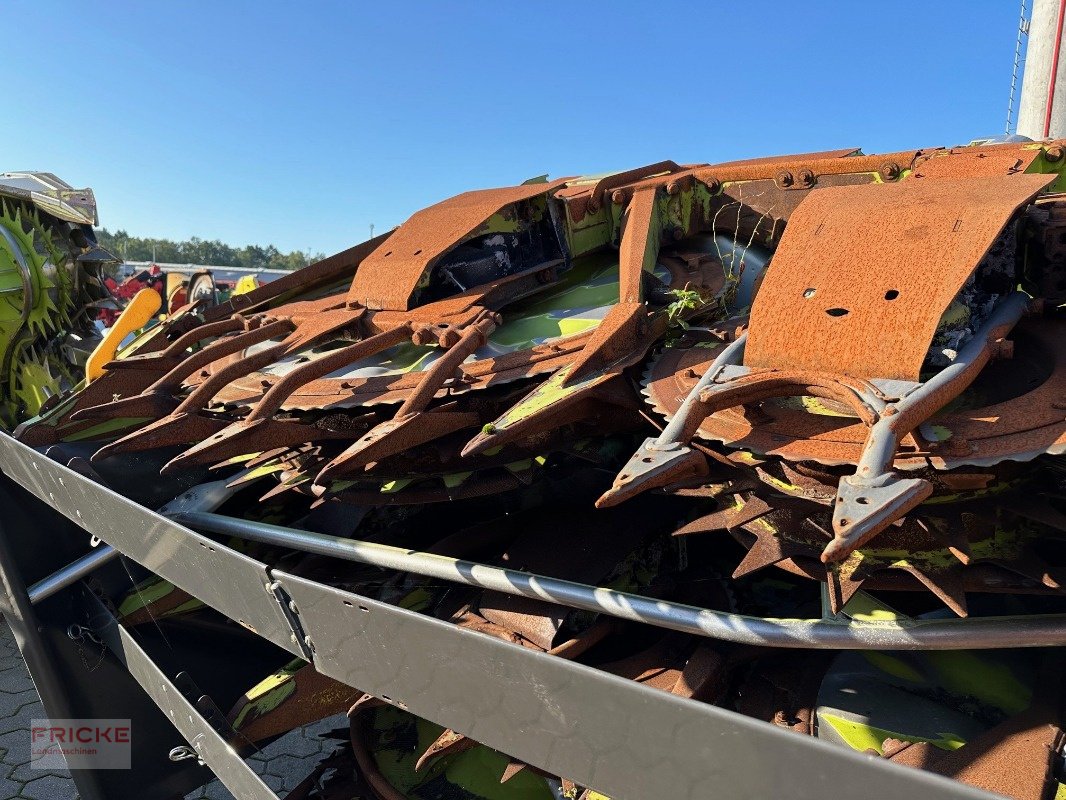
[201, 251]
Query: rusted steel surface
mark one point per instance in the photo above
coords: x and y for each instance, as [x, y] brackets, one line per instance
[819, 157]
[1017, 758]
[1025, 425]
[330, 270]
[866, 272]
[389, 276]
[620, 179]
[299, 696]
[966, 162]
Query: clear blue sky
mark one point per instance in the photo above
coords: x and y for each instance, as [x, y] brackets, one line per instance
[301, 123]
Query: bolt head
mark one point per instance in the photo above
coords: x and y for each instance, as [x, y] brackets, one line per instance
[889, 170]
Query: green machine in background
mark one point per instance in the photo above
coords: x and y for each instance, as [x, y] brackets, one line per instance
[50, 286]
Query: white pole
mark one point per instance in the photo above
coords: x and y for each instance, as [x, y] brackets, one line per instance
[1045, 72]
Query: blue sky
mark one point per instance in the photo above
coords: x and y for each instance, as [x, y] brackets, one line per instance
[300, 124]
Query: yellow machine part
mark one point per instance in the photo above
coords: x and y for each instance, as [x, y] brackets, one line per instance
[246, 284]
[134, 317]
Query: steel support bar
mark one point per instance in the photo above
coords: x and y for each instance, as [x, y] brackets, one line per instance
[838, 634]
[72, 573]
[186, 559]
[626, 740]
[211, 748]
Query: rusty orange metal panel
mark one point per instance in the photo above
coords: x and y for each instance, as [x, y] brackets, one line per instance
[964, 162]
[389, 276]
[863, 274]
[821, 155]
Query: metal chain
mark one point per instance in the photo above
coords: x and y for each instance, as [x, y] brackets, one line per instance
[1023, 30]
[81, 634]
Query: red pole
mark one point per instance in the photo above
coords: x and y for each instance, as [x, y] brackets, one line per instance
[1054, 69]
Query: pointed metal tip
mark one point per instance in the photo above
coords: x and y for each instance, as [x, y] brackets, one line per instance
[841, 589]
[653, 466]
[512, 769]
[447, 743]
[834, 551]
[611, 497]
[104, 452]
[865, 507]
[127, 444]
[92, 413]
[208, 449]
[281, 488]
[324, 476]
[478, 445]
[175, 465]
[355, 456]
[170, 430]
[138, 405]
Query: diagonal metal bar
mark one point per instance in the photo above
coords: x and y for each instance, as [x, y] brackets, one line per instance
[211, 748]
[188, 560]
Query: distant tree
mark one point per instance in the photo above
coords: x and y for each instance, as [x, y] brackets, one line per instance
[200, 251]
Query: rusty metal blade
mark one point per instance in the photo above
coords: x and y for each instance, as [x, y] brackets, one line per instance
[242, 437]
[396, 436]
[178, 428]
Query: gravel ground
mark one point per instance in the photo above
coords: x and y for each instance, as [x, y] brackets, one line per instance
[282, 765]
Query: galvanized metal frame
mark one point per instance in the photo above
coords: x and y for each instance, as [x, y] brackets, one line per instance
[207, 742]
[624, 739]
